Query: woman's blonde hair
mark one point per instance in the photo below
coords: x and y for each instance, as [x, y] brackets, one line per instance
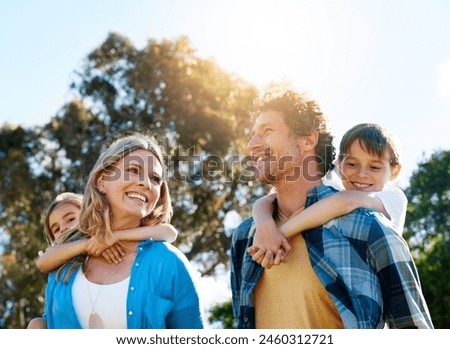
[95, 217]
[63, 198]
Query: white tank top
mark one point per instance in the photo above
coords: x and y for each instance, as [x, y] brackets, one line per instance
[109, 301]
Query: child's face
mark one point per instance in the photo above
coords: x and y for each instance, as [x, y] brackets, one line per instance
[62, 218]
[363, 171]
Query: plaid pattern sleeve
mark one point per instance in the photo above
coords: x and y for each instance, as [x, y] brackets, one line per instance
[244, 273]
[368, 270]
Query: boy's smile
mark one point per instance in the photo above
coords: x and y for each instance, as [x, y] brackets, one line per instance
[364, 171]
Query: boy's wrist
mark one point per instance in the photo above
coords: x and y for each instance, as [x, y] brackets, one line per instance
[266, 222]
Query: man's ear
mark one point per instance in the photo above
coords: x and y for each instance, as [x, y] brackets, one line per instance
[309, 142]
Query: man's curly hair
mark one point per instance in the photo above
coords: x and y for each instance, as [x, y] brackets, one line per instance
[302, 115]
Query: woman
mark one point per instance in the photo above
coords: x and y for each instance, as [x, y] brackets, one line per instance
[153, 286]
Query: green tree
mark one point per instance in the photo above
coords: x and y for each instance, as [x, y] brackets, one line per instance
[222, 315]
[195, 109]
[427, 230]
[23, 196]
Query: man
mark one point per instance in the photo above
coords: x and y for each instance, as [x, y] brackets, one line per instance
[354, 272]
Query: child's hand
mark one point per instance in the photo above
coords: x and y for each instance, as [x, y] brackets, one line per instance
[113, 254]
[95, 247]
[266, 257]
[270, 247]
[268, 237]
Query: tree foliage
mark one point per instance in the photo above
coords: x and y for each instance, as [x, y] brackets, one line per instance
[427, 229]
[222, 315]
[197, 111]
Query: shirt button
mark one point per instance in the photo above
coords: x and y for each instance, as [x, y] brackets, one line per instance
[132, 288]
[140, 248]
[245, 319]
[136, 264]
[130, 313]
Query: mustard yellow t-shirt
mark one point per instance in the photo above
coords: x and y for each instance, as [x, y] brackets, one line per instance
[290, 295]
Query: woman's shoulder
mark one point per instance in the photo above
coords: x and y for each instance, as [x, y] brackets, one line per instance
[166, 250]
[164, 256]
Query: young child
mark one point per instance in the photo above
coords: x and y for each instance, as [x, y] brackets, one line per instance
[62, 216]
[368, 161]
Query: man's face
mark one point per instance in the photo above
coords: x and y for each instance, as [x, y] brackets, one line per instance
[275, 149]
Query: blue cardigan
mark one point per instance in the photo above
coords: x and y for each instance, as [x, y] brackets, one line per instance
[161, 293]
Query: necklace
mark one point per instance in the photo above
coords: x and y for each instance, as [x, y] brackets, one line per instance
[95, 320]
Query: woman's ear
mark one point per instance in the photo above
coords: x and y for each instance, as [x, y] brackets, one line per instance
[309, 142]
[101, 184]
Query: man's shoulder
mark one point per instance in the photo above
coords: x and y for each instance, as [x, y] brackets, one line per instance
[243, 229]
[319, 192]
[364, 224]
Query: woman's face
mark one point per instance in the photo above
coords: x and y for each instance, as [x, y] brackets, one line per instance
[62, 218]
[132, 188]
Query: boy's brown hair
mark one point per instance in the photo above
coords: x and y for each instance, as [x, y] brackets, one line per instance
[374, 139]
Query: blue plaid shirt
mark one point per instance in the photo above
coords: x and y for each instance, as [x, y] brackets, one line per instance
[365, 266]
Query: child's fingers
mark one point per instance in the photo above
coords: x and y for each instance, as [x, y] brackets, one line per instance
[116, 253]
[279, 257]
[267, 261]
[259, 255]
[252, 249]
[111, 256]
[119, 249]
[107, 256]
[285, 245]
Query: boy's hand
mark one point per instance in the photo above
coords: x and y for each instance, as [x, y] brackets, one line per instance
[270, 247]
[266, 257]
[269, 238]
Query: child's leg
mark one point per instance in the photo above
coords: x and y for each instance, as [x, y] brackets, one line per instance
[37, 323]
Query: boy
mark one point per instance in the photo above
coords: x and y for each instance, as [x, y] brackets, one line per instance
[368, 161]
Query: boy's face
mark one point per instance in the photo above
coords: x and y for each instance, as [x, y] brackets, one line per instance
[363, 171]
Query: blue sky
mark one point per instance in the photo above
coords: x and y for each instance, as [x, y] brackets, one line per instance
[377, 61]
